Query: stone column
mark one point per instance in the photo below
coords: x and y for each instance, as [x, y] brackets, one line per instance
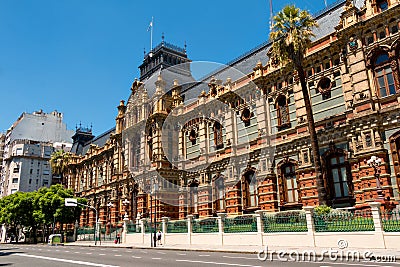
[379, 240]
[310, 224]
[125, 229]
[260, 226]
[142, 230]
[221, 217]
[189, 224]
[164, 228]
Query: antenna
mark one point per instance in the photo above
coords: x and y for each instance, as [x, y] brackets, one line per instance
[271, 15]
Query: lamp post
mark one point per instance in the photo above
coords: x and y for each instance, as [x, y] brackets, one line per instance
[125, 203]
[109, 206]
[375, 163]
[154, 188]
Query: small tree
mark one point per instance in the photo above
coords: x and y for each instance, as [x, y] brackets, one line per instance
[291, 36]
[59, 162]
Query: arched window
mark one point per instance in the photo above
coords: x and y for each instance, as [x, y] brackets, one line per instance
[250, 194]
[382, 5]
[290, 186]
[338, 180]
[220, 193]
[384, 75]
[218, 138]
[282, 111]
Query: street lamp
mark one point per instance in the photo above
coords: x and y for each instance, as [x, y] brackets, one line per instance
[375, 163]
[125, 203]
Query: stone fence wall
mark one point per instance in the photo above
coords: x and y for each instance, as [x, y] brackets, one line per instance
[309, 236]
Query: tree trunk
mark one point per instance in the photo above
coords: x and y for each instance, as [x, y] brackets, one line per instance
[313, 136]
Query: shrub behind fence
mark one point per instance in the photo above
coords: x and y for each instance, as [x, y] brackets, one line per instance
[391, 221]
[177, 226]
[344, 221]
[209, 225]
[240, 224]
[293, 221]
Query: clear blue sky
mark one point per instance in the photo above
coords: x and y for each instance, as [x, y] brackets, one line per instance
[80, 57]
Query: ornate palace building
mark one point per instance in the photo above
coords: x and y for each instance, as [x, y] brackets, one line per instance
[237, 141]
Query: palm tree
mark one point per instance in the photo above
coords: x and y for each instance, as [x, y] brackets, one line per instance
[291, 36]
[59, 162]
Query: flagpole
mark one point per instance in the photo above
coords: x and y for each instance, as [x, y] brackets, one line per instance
[151, 35]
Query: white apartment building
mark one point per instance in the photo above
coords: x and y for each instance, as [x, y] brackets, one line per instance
[28, 146]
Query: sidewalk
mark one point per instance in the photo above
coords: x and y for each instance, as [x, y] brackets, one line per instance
[246, 249]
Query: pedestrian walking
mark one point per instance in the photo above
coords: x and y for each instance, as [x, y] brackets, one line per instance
[159, 235]
[118, 238]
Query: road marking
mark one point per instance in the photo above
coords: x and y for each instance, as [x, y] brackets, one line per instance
[161, 253]
[204, 255]
[181, 254]
[115, 250]
[246, 258]
[66, 251]
[88, 253]
[57, 250]
[102, 249]
[156, 258]
[117, 255]
[65, 260]
[219, 263]
[135, 257]
[77, 252]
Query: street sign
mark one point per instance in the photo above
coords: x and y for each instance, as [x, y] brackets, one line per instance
[71, 202]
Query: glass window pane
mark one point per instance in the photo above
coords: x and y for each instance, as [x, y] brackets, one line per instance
[381, 82]
[341, 159]
[338, 192]
[335, 175]
[345, 190]
[343, 173]
[392, 89]
[383, 91]
[333, 161]
[289, 184]
[296, 196]
[290, 196]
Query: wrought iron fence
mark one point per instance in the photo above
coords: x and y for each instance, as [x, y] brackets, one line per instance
[391, 221]
[344, 221]
[132, 228]
[151, 227]
[292, 221]
[209, 225]
[177, 226]
[240, 224]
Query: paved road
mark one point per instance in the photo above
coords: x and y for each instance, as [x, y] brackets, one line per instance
[46, 256]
